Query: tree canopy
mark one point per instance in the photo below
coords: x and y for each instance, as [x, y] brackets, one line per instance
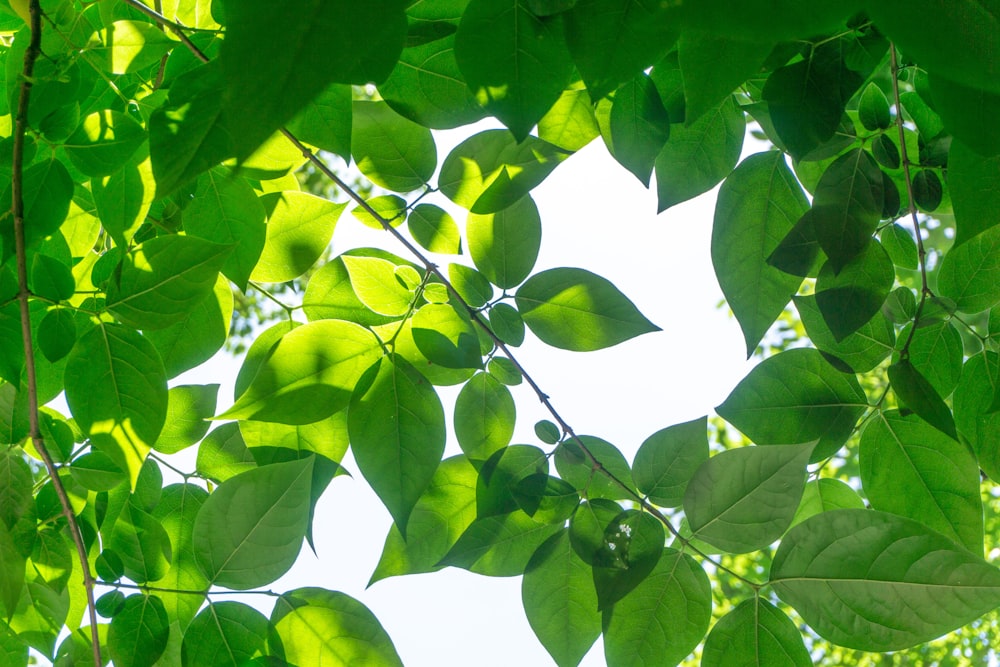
[165, 160]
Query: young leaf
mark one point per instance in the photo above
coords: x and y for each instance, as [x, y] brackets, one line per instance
[559, 601]
[612, 42]
[395, 153]
[668, 459]
[573, 309]
[757, 207]
[664, 618]
[755, 634]
[700, 154]
[904, 567]
[275, 61]
[396, 425]
[138, 633]
[504, 245]
[163, 279]
[911, 469]
[250, 530]
[484, 417]
[226, 634]
[318, 627]
[741, 500]
[515, 63]
[308, 375]
[916, 393]
[796, 397]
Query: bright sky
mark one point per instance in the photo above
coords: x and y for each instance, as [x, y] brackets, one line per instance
[596, 216]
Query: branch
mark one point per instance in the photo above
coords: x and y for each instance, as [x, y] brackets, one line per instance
[31, 55]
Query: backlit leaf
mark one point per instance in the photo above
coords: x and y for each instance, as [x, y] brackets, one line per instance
[225, 633]
[299, 228]
[755, 634]
[484, 417]
[138, 633]
[392, 151]
[667, 460]
[505, 244]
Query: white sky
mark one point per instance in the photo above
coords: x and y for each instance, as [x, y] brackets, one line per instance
[596, 216]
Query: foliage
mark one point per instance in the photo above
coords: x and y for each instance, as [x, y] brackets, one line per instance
[151, 158]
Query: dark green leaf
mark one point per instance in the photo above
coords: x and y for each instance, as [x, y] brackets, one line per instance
[667, 460]
[249, 531]
[663, 619]
[397, 430]
[755, 634]
[470, 284]
[47, 192]
[936, 350]
[714, 66]
[700, 154]
[515, 63]
[96, 471]
[162, 280]
[916, 393]
[613, 41]
[639, 126]
[320, 627]
[757, 207]
[138, 633]
[594, 479]
[395, 153]
[927, 190]
[873, 108]
[325, 122]
[507, 324]
[500, 476]
[547, 432]
[862, 350]
[104, 142]
[911, 469]
[225, 634]
[275, 61]
[861, 579]
[484, 417]
[975, 417]
[974, 186]
[796, 397]
[499, 546]
[574, 309]
[308, 375]
[505, 244]
[633, 544]
[142, 544]
[741, 500]
[50, 278]
[560, 602]
[968, 112]
[57, 334]
[848, 299]
[970, 274]
[198, 336]
[900, 245]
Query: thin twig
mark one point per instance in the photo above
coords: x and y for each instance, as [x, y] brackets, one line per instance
[31, 54]
[181, 591]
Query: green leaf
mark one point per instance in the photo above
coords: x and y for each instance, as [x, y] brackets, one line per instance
[668, 459]
[755, 634]
[862, 579]
[741, 500]
[975, 417]
[850, 298]
[861, 351]
[873, 108]
[970, 273]
[117, 392]
[225, 633]
[397, 430]
[427, 86]
[470, 284]
[916, 393]
[757, 207]
[130, 46]
[796, 397]
[570, 124]
[936, 350]
[974, 186]
[329, 295]
[504, 370]
[574, 309]
[499, 545]
[299, 229]
[48, 190]
[393, 152]
[16, 483]
[57, 333]
[320, 627]
[806, 99]
[249, 531]
[927, 189]
[639, 126]
[441, 515]
[327, 437]
[374, 281]
[500, 476]
[825, 494]
[911, 469]
[446, 336]
[504, 245]
[275, 61]
[699, 155]
[577, 468]
[633, 544]
[124, 198]
[714, 66]
[434, 229]
[663, 619]
[900, 245]
[507, 324]
[484, 417]
[613, 41]
[490, 170]
[515, 63]
[198, 336]
[188, 408]
[104, 142]
[50, 278]
[188, 134]
[308, 375]
[162, 280]
[559, 601]
[223, 454]
[325, 121]
[226, 210]
[768, 19]
[547, 432]
[177, 510]
[138, 633]
[142, 544]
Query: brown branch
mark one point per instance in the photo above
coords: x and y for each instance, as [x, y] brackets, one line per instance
[31, 55]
